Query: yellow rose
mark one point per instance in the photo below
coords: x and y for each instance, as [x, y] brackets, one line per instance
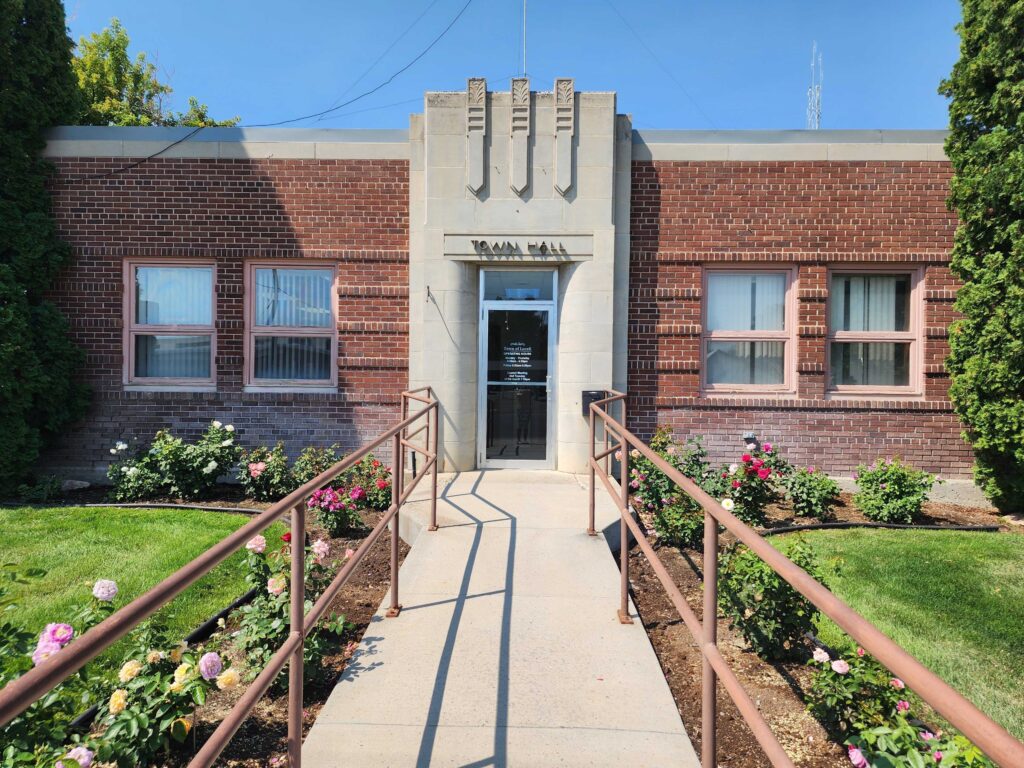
[129, 671]
[177, 653]
[154, 657]
[176, 688]
[118, 701]
[227, 679]
[181, 674]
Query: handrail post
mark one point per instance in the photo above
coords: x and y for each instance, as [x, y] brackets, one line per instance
[297, 599]
[396, 494]
[432, 442]
[593, 478]
[624, 534]
[709, 679]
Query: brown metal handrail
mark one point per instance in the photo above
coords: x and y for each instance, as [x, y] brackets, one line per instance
[994, 740]
[19, 694]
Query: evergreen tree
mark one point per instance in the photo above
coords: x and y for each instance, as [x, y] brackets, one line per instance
[38, 391]
[986, 148]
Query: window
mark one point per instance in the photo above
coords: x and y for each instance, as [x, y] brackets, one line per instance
[292, 326]
[872, 331]
[747, 334]
[170, 324]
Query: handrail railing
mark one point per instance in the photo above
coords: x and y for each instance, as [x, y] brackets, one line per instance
[19, 694]
[988, 735]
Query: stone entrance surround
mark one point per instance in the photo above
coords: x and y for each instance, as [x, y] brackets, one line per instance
[518, 179]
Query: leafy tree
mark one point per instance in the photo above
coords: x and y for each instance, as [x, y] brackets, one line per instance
[38, 391]
[119, 90]
[986, 148]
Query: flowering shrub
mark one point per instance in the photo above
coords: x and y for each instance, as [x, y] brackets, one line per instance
[374, 478]
[173, 467]
[813, 493]
[312, 462]
[752, 482]
[852, 693]
[263, 473]
[891, 491]
[677, 518]
[265, 622]
[762, 606]
[906, 743]
[335, 510]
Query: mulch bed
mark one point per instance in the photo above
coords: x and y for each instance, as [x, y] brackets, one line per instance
[261, 739]
[778, 688]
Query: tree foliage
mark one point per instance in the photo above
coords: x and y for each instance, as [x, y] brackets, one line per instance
[986, 148]
[119, 90]
[38, 391]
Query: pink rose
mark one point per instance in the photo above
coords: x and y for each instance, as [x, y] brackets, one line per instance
[897, 684]
[840, 667]
[902, 705]
[763, 473]
[320, 550]
[938, 756]
[811, 469]
[349, 553]
[357, 493]
[45, 648]
[256, 544]
[821, 655]
[857, 757]
[927, 735]
[275, 585]
[860, 652]
[757, 463]
[60, 634]
[257, 468]
[210, 665]
[767, 447]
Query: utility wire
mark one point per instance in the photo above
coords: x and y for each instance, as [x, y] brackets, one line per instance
[661, 64]
[387, 50]
[327, 111]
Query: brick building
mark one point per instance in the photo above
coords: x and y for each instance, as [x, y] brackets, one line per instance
[513, 250]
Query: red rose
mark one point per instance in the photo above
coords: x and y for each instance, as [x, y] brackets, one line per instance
[736, 483]
[745, 458]
[286, 538]
[382, 484]
[376, 463]
[763, 473]
[725, 474]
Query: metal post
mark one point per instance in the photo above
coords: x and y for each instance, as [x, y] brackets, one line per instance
[396, 495]
[709, 680]
[624, 534]
[432, 442]
[297, 618]
[593, 478]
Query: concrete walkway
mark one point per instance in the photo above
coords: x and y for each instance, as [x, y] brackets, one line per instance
[508, 651]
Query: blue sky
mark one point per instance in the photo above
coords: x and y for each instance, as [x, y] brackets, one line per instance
[710, 64]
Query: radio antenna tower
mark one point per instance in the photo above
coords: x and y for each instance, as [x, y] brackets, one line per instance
[814, 91]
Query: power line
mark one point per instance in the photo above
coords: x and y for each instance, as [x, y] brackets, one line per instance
[659, 62]
[327, 111]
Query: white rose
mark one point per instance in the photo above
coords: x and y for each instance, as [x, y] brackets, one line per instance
[216, 424]
[122, 446]
[728, 505]
[132, 471]
[211, 467]
[230, 427]
[733, 469]
[226, 443]
[113, 451]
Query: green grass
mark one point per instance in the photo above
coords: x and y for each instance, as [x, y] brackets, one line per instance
[954, 600]
[137, 548]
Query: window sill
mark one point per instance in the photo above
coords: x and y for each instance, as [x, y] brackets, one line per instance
[874, 394]
[170, 387]
[730, 394]
[290, 389]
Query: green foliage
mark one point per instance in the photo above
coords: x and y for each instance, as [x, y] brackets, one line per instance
[762, 606]
[677, 518]
[41, 491]
[852, 693]
[39, 394]
[752, 483]
[265, 622]
[263, 473]
[118, 90]
[812, 492]
[891, 491]
[905, 743]
[313, 461]
[173, 467]
[986, 362]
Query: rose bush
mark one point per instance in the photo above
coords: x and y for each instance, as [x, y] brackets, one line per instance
[263, 473]
[812, 492]
[173, 467]
[313, 461]
[890, 491]
[753, 482]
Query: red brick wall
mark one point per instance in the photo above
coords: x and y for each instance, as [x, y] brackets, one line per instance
[686, 215]
[351, 212]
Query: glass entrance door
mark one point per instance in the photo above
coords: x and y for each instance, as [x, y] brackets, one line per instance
[517, 345]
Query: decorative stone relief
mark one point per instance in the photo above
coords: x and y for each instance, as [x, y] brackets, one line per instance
[476, 131]
[519, 126]
[565, 128]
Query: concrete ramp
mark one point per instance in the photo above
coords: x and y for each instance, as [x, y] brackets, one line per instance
[508, 651]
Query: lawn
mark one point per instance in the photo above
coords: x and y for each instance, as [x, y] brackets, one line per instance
[954, 600]
[137, 548]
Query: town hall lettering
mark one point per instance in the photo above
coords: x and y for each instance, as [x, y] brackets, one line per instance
[512, 247]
